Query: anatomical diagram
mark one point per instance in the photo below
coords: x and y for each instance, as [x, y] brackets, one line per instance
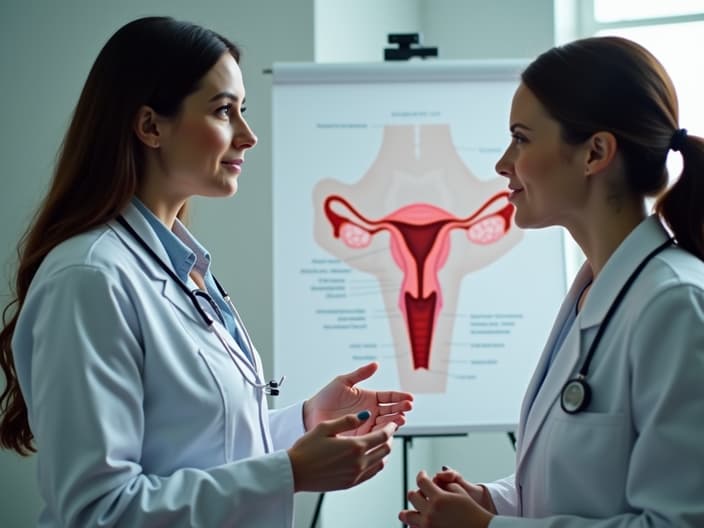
[418, 220]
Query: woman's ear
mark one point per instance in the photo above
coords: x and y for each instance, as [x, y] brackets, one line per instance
[601, 152]
[146, 126]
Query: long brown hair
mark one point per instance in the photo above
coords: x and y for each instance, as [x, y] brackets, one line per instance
[154, 61]
[613, 84]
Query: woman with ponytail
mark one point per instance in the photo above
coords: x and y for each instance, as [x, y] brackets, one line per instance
[610, 432]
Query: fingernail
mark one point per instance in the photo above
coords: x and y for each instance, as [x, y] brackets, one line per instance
[363, 415]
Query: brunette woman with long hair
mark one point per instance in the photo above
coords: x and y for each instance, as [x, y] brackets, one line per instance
[128, 369]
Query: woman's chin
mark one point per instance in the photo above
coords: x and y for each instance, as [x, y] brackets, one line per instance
[525, 221]
[228, 188]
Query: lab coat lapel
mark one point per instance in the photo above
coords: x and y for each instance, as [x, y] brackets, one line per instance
[169, 289]
[541, 392]
[541, 398]
[172, 292]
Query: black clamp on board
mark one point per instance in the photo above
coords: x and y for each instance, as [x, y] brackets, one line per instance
[406, 49]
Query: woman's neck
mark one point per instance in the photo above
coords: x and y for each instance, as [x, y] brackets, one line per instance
[602, 232]
[164, 209]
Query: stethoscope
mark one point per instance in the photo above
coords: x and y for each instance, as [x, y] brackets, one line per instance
[272, 387]
[576, 393]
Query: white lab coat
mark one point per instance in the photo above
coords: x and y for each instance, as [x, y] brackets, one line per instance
[635, 458]
[139, 414]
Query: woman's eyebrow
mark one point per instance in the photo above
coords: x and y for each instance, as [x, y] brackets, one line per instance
[221, 95]
[514, 126]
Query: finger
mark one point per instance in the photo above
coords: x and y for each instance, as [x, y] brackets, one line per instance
[377, 453]
[372, 470]
[342, 424]
[446, 476]
[393, 396]
[418, 500]
[398, 419]
[392, 408]
[426, 486]
[377, 436]
[453, 487]
[362, 373]
[410, 517]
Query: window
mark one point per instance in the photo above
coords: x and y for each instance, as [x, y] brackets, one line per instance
[605, 11]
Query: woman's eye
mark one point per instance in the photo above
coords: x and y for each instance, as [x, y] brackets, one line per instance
[224, 111]
[518, 139]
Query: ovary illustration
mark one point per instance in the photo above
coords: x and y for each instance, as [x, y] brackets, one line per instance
[419, 220]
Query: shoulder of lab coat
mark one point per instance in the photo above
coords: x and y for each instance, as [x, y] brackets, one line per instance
[78, 349]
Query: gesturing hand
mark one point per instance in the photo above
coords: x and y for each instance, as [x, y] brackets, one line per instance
[323, 461]
[443, 508]
[341, 397]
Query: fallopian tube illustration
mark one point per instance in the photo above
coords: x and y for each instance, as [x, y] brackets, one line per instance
[419, 220]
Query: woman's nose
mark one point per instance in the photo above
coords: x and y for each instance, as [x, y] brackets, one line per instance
[503, 166]
[244, 138]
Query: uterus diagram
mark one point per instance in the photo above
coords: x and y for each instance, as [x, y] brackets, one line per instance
[419, 220]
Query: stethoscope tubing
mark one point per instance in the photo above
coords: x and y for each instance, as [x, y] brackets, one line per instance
[616, 303]
[576, 393]
[272, 387]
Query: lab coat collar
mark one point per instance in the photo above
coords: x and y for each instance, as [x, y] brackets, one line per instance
[141, 225]
[647, 236]
[170, 289]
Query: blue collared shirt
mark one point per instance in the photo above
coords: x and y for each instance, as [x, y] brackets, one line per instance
[187, 254]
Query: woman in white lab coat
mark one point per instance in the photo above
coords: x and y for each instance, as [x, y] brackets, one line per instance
[128, 370]
[610, 431]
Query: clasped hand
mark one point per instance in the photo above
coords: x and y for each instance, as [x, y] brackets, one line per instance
[340, 449]
[448, 501]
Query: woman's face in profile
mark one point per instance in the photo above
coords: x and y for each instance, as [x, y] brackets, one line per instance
[542, 170]
[202, 149]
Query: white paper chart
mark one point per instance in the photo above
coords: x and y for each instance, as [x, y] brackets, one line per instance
[394, 239]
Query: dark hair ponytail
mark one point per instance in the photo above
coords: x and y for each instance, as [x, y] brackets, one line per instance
[682, 206]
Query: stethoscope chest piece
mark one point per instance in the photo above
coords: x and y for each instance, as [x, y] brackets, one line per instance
[575, 395]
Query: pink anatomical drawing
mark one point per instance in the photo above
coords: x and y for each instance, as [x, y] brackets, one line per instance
[419, 220]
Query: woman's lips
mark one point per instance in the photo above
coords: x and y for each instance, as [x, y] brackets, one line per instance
[234, 165]
[515, 191]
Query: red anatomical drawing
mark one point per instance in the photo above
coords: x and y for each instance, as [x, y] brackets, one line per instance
[421, 220]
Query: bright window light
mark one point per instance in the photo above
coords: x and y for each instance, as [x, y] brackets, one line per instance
[612, 11]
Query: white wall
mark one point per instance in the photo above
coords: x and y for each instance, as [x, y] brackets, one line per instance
[46, 49]
[357, 31]
[468, 29]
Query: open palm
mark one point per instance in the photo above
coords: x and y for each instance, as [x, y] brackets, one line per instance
[341, 396]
